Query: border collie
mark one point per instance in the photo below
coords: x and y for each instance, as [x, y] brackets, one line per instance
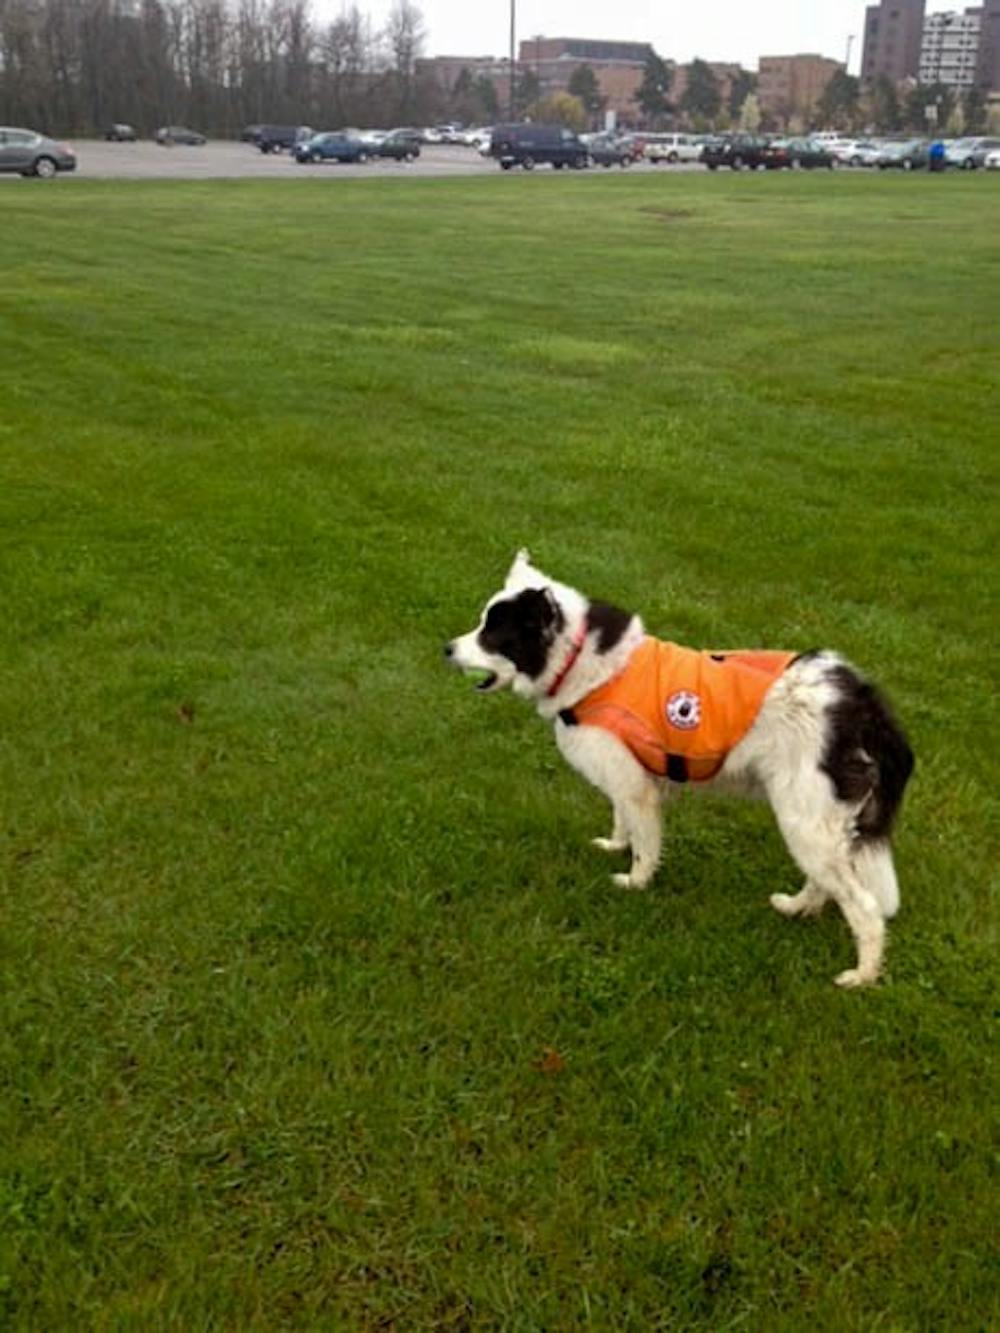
[639, 718]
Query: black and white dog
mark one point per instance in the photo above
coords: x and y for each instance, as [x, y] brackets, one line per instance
[820, 744]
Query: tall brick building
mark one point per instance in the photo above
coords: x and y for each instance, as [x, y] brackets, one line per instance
[893, 34]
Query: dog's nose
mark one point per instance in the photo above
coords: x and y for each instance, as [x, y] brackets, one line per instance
[449, 650]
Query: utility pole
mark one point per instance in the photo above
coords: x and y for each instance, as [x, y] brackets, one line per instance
[847, 58]
[513, 29]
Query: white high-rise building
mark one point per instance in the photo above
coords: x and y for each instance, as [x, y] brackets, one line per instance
[949, 51]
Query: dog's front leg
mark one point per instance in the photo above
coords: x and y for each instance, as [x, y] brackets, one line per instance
[633, 792]
[643, 823]
[618, 842]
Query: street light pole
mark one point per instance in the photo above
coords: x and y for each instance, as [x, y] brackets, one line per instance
[513, 27]
[847, 61]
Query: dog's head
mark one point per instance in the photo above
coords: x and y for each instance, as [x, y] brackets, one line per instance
[514, 639]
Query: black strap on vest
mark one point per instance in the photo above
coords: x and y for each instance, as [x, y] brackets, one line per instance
[677, 768]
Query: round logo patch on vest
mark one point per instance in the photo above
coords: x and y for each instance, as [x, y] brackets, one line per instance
[684, 710]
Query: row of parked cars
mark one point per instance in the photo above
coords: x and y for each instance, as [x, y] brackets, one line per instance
[528, 145]
[827, 150]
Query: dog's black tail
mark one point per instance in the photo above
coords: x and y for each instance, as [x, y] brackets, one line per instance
[867, 755]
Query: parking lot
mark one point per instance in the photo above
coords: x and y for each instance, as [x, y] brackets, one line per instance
[222, 159]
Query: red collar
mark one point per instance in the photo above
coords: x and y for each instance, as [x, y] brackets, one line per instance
[574, 652]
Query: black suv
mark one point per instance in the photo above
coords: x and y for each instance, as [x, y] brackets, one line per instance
[525, 145]
[275, 138]
[739, 151]
[403, 145]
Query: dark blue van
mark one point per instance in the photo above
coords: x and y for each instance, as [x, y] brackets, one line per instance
[526, 145]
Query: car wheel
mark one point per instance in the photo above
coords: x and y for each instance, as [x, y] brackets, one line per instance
[315, 159]
[968, 165]
[625, 162]
[855, 161]
[796, 164]
[44, 168]
[712, 166]
[528, 163]
[737, 163]
[605, 165]
[409, 157]
[671, 158]
[362, 158]
[506, 166]
[907, 164]
[581, 163]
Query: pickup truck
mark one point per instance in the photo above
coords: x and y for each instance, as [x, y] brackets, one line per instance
[276, 138]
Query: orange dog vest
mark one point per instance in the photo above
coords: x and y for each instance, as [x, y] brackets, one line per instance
[681, 711]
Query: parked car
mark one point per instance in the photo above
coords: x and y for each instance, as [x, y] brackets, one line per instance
[120, 133]
[333, 146]
[799, 153]
[607, 151]
[738, 151]
[402, 145]
[169, 135]
[856, 152]
[672, 148]
[992, 160]
[277, 138]
[981, 151]
[907, 155]
[33, 154]
[250, 133]
[635, 145]
[969, 153]
[527, 145]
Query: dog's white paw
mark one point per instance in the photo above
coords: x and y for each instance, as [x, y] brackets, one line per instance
[784, 903]
[854, 977]
[798, 904]
[608, 845]
[627, 882]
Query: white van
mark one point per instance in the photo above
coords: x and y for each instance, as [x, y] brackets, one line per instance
[672, 148]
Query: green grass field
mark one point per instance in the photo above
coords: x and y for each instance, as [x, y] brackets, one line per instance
[318, 1010]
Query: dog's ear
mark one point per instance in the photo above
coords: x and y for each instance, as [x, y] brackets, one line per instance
[520, 573]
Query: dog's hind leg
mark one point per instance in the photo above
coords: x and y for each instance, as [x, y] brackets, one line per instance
[824, 855]
[818, 831]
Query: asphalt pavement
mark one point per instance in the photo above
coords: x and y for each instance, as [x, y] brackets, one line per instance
[221, 159]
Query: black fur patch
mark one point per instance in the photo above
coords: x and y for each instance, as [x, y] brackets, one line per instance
[866, 753]
[522, 630]
[610, 622]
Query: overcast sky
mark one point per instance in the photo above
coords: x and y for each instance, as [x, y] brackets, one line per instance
[738, 30]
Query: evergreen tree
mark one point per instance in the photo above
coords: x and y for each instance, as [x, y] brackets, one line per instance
[975, 111]
[653, 94]
[837, 107]
[527, 88]
[935, 95]
[702, 100]
[740, 88]
[884, 102]
[584, 85]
